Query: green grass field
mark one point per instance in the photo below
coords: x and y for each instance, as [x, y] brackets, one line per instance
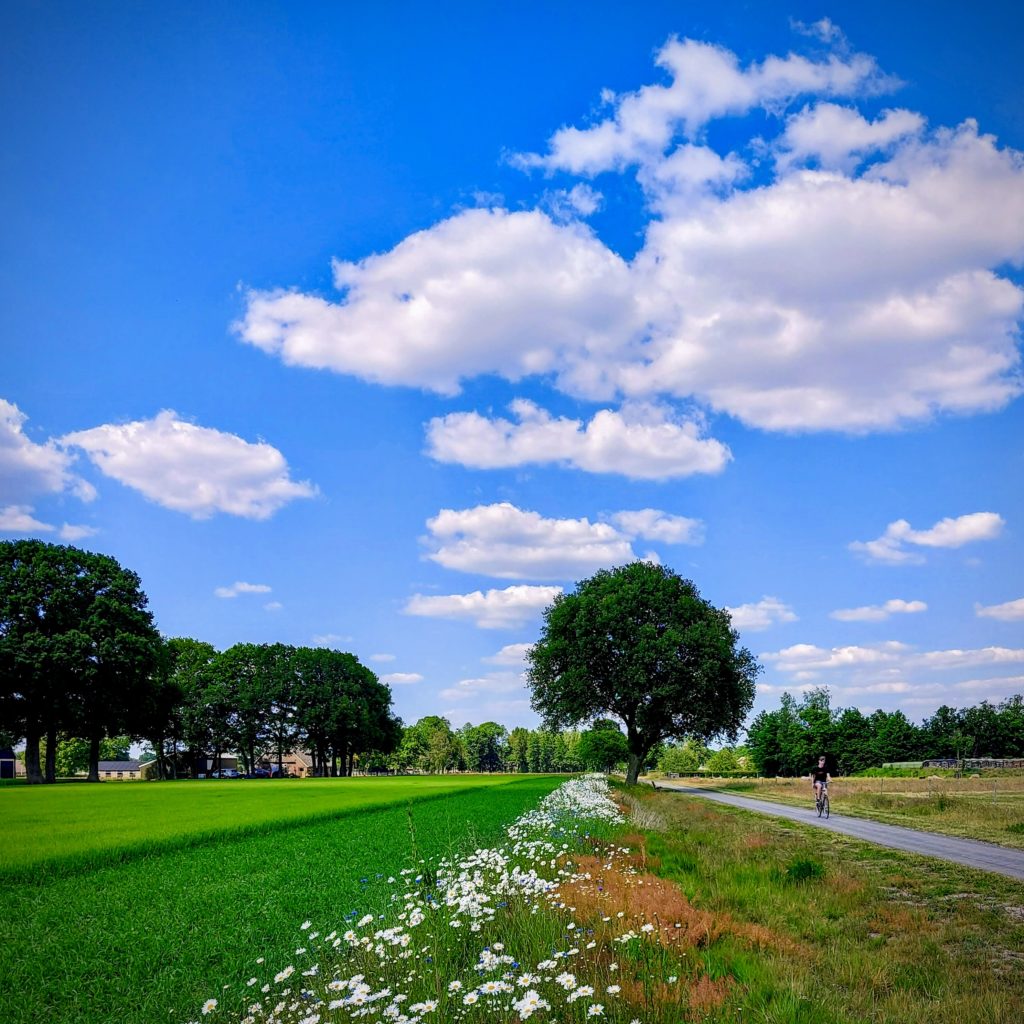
[64, 827]
[133, 903]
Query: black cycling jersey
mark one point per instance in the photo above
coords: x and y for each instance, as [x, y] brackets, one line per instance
[819, 774]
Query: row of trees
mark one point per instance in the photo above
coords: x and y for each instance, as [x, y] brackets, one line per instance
[81, 660]
[80, 656]
[788, 741]
[265, 700]
[432, 745]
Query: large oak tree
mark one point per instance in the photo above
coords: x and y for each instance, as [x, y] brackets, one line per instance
[640, 643]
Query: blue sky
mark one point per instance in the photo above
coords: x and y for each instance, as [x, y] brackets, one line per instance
[373, 327]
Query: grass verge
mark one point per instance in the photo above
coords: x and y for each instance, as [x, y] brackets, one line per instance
[147, 939]
[800, 926]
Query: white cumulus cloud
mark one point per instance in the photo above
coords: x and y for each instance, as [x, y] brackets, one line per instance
[879, 612]
[897, 544]
[767, 612]
[858, 283]
[507, 542]
[19, 519]
[402, 678]
[241, 587]
[1008, 611]
[28, 469]
[494, 609]
[510, 654]
[192, 469]
[640, 441]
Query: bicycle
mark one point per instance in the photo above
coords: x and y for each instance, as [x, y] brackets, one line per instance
[821, 802]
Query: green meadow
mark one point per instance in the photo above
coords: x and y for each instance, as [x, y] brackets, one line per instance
[133, 903]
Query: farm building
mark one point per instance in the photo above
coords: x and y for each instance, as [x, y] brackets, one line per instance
[123, 770]
[8, 763]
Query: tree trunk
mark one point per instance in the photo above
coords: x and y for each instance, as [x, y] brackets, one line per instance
[351, 761]
[94, 759]
[334, 764]
[51, 755]
[633, 768]
[33, 775]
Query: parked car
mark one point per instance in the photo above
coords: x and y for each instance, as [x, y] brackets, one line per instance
[226, 773]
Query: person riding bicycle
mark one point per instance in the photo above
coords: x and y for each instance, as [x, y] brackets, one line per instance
[820, 779]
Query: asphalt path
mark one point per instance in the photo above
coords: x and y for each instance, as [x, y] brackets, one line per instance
[968, 852]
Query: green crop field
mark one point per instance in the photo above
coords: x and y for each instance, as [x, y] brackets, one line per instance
[58, 828]
[131, 903]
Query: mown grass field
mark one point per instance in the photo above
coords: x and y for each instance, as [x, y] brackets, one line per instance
[801, 926]
[991, 809]
[59, 828]
[135, 904]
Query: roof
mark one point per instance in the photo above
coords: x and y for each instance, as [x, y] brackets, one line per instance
[119, 766]
[6, 754]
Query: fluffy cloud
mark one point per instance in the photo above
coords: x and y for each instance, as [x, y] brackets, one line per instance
[496, 609]
[1008, 611]
[192, 469]
[402, 678]
[21, 519]
[382, 657]
[331, 639]
[507, 542]
[641, 441]
[240, 587]
[769, 611]
[653, 524]
[28, 469]
[878, 612]
[892, 658]
[493, 683]
[860, 287]
[510, 654]
[837, 137]
[707, 83]
[892, 546]
[484, 291]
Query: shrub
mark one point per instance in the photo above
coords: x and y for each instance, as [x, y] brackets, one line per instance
[804, 869]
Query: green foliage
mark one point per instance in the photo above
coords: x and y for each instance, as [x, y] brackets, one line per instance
[78, 649]
[688, 756]
[73, 753]
[804, 869]
[788, 740]
[640, 643]
[602, 749]
[486, 746]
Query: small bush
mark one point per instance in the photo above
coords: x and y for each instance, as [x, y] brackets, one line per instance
[1017, 828]
[804, 869]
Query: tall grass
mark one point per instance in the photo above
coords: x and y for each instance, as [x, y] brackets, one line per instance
[817, 928]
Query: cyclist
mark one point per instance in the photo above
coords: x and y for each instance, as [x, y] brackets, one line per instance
[820, 779]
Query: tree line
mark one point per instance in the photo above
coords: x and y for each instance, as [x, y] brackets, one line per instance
[80, 658]
[788, 741]
[432, 745]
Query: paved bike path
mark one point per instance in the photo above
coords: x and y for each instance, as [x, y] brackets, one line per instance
[969, 852]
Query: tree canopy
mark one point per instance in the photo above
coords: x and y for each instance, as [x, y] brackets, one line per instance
[640, 643]
[78, 649]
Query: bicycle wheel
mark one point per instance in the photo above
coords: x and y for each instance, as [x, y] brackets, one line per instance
[818, 805]
[824, 803]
